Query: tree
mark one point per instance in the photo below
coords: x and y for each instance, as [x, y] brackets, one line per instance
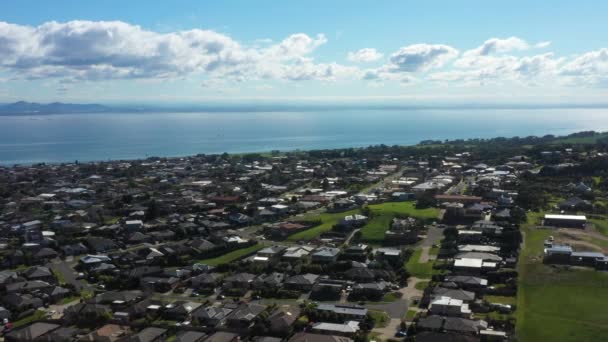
[152, 211]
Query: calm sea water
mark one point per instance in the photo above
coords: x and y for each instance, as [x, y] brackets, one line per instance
[89, 137]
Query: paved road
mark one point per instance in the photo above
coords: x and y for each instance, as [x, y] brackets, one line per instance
[65, 268]
[396, 309]
[433, 236]
[389, 331]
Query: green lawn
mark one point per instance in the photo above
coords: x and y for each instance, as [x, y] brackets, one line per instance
[580, 140]
[60, 278]
[601, 226]
[232, 256]
[410, 315]
[375, 229]
[422, 285]
[380, 318]
[38, 315]
[70, 299]
[555, 304]
[501, 300]
[382, 215]
[391, 297]
[419, 270]
[328, 220]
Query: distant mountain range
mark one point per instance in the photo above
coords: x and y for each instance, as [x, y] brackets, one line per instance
[34, 108]
[23, 107]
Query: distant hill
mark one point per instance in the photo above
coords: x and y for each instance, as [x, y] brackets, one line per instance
[23, 107]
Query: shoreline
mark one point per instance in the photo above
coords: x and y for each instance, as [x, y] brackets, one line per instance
[273, 153]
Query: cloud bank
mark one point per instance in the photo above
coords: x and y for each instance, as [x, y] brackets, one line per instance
[113, 50]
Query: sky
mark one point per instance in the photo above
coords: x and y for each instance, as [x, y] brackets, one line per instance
[187, 51]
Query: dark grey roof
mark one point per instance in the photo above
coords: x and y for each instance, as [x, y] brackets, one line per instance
[32, 332]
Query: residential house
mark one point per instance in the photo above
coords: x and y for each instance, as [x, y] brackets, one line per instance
[345, 312]
[107, 333]
[243, 316]
[325, 255]
[206, 281]
[301, 282]
[349, 328]
[282, 319]
[239, 281]
[190, 336]
[38, 331]
[150, 334]
[180, 310]
[272, 281]
[295, 253]
[212, 315]
[446, 306]
[310, 337]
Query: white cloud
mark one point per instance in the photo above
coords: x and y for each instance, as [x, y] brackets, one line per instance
[79, 51]
[542, 45]
[498, 69]
[498, 45]
[364, 55]
[90, 50]
[590, 63]
[421, 57]
[590, 68]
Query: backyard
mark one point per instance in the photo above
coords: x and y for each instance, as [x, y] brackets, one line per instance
[382, 215]
[557, 303]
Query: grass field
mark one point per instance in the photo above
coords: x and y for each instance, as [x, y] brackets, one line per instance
[580, 140]
[328, 220]
[36, 316]
[601, 226]
[380, 318]
[554, 303]
[501, 300]
[419, 270]
[410, 315]
[382, 214]
[232, 256]
[422, 285]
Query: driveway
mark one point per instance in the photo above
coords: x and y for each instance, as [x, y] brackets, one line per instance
[389, 331]
[396, 309]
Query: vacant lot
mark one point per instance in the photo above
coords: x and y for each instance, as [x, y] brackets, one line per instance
[328, 220]
[417, 269]
[558, 303]
[232, 256]
[382, 215]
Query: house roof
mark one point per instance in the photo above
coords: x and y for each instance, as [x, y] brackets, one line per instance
[353, 310]
[32, 332]
[350, 327]
[190, 336]
[308, 337]
[304, 279]
[147, 335]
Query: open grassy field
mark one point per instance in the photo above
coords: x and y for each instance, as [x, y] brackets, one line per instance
[36, 316]
[555, 303]
[601, 226]
[580, 140]
[328, 220]
[382, 214]
[417, 269]
[380, 318]
[232, 256]
[501, 300]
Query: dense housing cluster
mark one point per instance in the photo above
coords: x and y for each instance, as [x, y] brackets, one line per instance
[418, 243]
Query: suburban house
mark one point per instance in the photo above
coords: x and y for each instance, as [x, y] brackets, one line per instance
[446, 306]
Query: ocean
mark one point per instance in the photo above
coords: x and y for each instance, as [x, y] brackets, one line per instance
[57, 138]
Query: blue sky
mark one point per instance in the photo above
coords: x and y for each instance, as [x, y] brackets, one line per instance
[405, 51]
